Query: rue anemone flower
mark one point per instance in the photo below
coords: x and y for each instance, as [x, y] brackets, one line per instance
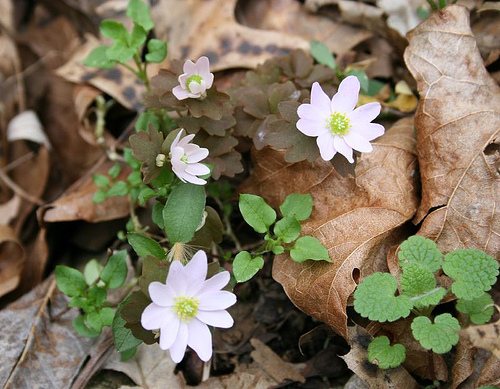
[185, 305]
[185, 158]
[195, 80]
[338, 126]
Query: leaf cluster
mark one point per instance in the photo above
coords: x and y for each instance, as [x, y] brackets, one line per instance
[283, 236]
[473, 273]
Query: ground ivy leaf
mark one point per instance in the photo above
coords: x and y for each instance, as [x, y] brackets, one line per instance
[418, 283]
[420, 250]
[183, 212]
[298, 205]
[473, 270]
[115, 271]
[70, 281]
[322, 54]
[479, 309]
[99, 59]
[157, 50]
[122, 336]
[245, 267]
[287, 229]
[308, 247]
[145, 246]
[374, 298]
[256, 212]
[138, 11]
[381, 353]
[439, 336]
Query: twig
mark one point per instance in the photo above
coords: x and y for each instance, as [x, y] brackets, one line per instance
[18, 190]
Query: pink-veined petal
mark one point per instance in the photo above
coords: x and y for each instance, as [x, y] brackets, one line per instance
[169, 331]
[220, 319]
[369, 131]
[326, 146]
[214, 301]
[311, 128]
[178, 348]
[215, 283]
[196, 269]
[343, 148]
[154, 316]
[179, 93]
[319, 98]
[200, 339]
[347, 96]
[365, 113]
[161, 294]
[357, 142]
[190, 68]
[176, 278]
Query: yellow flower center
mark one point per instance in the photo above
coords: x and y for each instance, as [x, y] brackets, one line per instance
[339, 123]
[193, 78]
[186, 307]
[184, 158]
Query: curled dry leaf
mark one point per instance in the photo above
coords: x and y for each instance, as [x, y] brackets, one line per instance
[357, 219]
[11, 260]
[463, 365]
[458, 124]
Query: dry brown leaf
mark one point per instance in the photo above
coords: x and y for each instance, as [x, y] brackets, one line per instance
[244, 376]
[457, 125]
[11, 260]
[490, 374]
[9, 210]
[357, 219]
[357, 361]
[463, 366]
[486, 336]
[272, 363]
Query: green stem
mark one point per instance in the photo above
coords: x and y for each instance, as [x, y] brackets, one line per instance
[141, 71]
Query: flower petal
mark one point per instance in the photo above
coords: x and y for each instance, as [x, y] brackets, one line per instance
[221, 319]
[369, 131]
[183, 80]
[347, 96]
[197, 89]
[313, 113]
[179, 93]
[343, 148]
[176, 140]
[311, 128]
[197, 169]
[214, 301]
[215, 283]
[184, 141]
[200, 339]
[196, 269]
[192, 179]
[169, 331]
[326, 146]
[357, 142]
[154, 316]
[195, 153]
[365, 113]
[178, 348]
[176, 278]
[319, 98]
[161, 294]
[190, 68]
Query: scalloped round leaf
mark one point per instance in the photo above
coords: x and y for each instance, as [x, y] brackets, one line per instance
[439, 336]
[385, 356]
[473, 271]
[418, 283]
[374, 298]
[420, 250]
[479, 309]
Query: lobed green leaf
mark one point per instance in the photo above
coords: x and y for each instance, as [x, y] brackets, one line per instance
[98, 58]
[157, 50]
[479, 309]
[439, 336]
[418, 283]
[422, 251]
[381, 353]
[138, 11]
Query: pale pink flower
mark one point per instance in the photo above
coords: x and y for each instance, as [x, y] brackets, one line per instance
[195, 80]
[185, 158]
[338, 126]
[184, 307]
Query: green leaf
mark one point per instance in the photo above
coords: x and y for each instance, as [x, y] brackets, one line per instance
[183, 212]
[100, 180]
[129, 158]
[308, 247]
[79, 302]
[381, 353]
[362, 77]
[479, 309]
[287, 229]
[114, 171]
[135, 178]
[374, 298]
[106, 315]
[145, 118]
[145, 246]
[157, 50]
[70, 281]
[245, 267]
[91, 271]
[139, 13]
[97, 296]
[82, 329]
[115, 271]
[278, 249]
[122, 336]
[157, 215]
[473, 270]
[99, 196]
[298, 205]
[99, 59]
[138, 37]
[256, 212]
[93, 320]
[119, 188]
[322, 54]
[420, 250]
[114, 30]
[120, 52]
[439, 336]
[129, 354]
[418, 283]
[145, 194]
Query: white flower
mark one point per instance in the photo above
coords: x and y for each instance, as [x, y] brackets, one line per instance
[185, 158]
[184, 307]
[195, 80]
[338, 126]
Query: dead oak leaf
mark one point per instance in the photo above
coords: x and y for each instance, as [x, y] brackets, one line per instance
[458, 139]
[356, 218]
